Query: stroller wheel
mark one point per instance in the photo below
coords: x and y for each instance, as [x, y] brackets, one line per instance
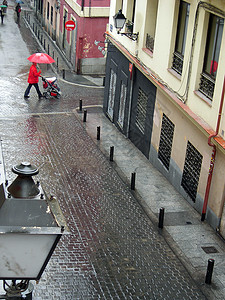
[58, 96]
[46, 95]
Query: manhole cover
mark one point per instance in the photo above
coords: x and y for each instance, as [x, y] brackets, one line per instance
[210, 250]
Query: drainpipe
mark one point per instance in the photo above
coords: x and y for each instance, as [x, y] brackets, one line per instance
[212, 162]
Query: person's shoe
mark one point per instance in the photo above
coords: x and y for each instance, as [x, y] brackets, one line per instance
[41, 97]
[26, 97]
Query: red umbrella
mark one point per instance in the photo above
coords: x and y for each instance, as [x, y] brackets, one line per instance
[41, 58]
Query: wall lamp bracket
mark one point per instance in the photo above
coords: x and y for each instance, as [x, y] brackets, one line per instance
[119, 22]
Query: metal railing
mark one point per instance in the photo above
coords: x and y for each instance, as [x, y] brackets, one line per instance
[177, 64]
[149, 42]
[207, 85]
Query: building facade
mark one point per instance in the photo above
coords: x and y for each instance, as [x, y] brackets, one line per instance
[84, 47]
[164, 90]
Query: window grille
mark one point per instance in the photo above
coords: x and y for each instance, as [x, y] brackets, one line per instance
[177, 62]
[191, 172]
[206, 86]
[141, 110]
[166, 140]
[211, 59]
[150, 42]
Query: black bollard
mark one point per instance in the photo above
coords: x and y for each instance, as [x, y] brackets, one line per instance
[209, 272]
[98, 133]
[57, 62]
[53, 54]
[48, 49]
[33, 27]
[44, 43]
[85, 115]
[80, 105]
[63, 73]
[111, 153]
[161, 217]
[133, 175]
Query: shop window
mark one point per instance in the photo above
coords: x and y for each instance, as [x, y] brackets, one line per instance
[141, 110]
[211, 59]
[182, 26]
[191, 172]
[166, 140]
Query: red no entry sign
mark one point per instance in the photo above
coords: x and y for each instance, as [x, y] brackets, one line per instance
[70, 25]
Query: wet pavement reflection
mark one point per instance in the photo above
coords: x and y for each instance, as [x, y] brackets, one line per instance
[113, 251]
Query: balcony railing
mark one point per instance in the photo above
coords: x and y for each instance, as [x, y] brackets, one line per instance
[177, 62]
[207, 85]
[129, 26]
[149, 42]
[129, 31]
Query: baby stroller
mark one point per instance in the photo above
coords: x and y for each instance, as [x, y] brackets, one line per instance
[51, 87]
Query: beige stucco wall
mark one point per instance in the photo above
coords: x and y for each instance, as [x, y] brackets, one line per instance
[185, 131]
[160, 61]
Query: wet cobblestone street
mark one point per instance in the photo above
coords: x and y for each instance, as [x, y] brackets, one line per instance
[113, 250]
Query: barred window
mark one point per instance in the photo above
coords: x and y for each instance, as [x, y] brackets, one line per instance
[211, 59]
[191, 172]
[141, 110]
[166, 140]
[182, 26]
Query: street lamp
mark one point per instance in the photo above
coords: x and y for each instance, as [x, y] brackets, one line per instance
[31, 225]
[119, 22]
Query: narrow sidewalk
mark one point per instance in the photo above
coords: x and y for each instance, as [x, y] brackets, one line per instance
[193, 241]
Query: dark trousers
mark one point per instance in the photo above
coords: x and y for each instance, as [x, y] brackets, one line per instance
[30, 86]
[2, 17]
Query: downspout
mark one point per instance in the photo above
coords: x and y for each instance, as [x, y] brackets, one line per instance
[212, 162]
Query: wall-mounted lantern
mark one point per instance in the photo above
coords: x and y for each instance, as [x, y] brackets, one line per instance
[119, 22]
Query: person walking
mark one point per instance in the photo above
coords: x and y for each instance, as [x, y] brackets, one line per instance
[18, 11]
[6, 4]
[2, 14]
[33, 78]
